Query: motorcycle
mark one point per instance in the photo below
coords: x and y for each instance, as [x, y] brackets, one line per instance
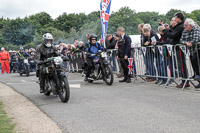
[32, 65]
[101, 69]
[56, 81]
[13, 65]
[25, 67]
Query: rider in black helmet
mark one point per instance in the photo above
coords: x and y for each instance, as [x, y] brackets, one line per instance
[92, 47]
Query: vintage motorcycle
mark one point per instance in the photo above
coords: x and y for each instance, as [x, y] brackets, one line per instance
[56, 81]
[25, 67]
[102, 69]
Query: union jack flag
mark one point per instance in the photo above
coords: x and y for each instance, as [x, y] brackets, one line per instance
[130, 66]
[104, 12]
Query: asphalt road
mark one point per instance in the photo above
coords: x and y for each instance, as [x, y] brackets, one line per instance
[122, 108]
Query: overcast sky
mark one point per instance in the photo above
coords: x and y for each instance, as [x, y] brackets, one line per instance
[22, 8]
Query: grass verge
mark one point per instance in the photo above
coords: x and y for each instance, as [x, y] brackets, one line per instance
[6, 125]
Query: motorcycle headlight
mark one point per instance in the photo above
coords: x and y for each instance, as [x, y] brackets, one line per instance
[104, 54]
[25, 61]
[58, 61]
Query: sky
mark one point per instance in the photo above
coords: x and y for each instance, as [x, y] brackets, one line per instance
[22, 8]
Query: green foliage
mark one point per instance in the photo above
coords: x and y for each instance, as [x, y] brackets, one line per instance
[5, 123]
[126, 18]
[18, 31]
[67, 27]
[93, 27]
[195, 15]
[170, 14]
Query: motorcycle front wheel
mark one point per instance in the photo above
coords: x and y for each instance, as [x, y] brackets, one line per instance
[27, 73]
[64, 92]
[108, 75]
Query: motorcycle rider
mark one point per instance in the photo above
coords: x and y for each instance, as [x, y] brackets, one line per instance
[13, 60]
[92, 47]
[21, 54]
[43, 52]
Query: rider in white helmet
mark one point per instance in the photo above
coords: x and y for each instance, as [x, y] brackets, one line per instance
[48, 39]
[43, 52]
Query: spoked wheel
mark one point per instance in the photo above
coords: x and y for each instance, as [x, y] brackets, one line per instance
[47, 86]
[27, 70]
[27, 73]
[108, 76]
[64, 92]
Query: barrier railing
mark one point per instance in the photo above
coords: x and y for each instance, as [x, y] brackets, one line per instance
[155, 62]
[188, 63]
[166, 63]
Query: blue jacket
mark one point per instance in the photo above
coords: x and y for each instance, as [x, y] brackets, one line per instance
[93, 49]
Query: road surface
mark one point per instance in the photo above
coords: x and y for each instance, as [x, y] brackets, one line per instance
[122, 108]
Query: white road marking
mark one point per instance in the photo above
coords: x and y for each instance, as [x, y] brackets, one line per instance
[24, 83]
[76, 80]
[21, 83]
[75, 85]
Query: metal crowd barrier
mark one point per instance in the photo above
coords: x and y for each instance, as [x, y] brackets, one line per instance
[76, 62]
[160, 62]
[155, 62]
[188, 63]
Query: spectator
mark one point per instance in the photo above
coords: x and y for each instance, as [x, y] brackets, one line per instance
[118, 46]
[190, 37]
[142, 37]
[76, 40]
[110, 44]
[175, 34]
[76, 47]
[60, 45]
[69, 54]
[64, 49]
[160, 22]
[149, 57]
[81, 46]
[125, 54]
[166, 59]
[173, 23]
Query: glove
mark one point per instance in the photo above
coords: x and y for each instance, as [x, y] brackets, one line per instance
[40, 63]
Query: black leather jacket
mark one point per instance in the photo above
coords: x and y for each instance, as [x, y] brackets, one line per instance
[43, 53]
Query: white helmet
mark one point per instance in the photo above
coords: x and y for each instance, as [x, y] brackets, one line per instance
[2, 48]
[48, 39]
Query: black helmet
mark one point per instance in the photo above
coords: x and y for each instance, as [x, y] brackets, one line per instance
[93, 36]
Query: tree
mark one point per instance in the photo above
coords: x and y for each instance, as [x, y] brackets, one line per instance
[170, 14]
[126, 18]
[18, 32]
[195, 15]
[40, 21]
[67, 21]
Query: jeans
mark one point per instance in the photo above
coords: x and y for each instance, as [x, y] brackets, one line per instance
[149, 61]
[161, 64]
